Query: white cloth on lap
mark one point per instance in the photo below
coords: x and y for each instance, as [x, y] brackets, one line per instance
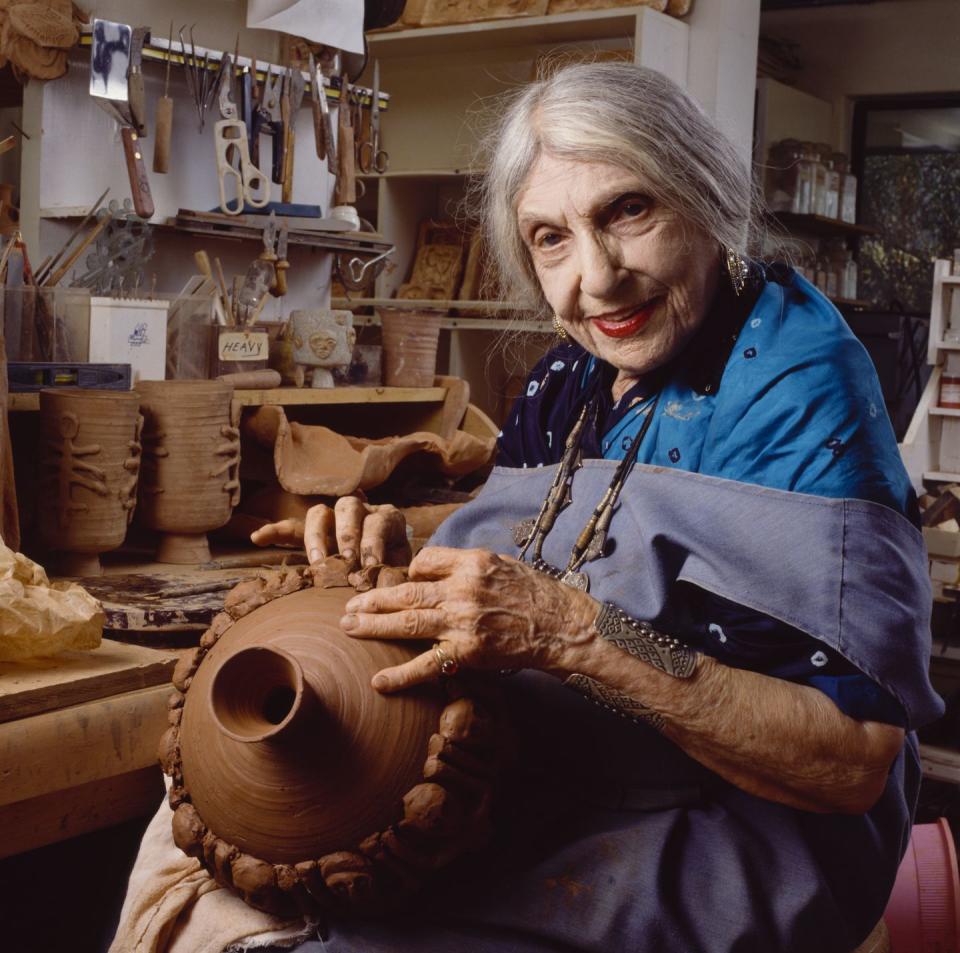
[174, 906]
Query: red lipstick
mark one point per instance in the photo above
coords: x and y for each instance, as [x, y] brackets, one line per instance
[626, 326]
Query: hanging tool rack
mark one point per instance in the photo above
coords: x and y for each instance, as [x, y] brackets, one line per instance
[159, 50]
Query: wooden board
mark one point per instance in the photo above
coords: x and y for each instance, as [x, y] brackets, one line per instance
[71, 678]
[60, 750]
[54, 817]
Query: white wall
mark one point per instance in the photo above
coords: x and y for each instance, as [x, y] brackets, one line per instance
[894, 46]
[722, 64]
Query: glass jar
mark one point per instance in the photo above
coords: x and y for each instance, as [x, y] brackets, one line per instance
[782, 175]
[831, 196]
[847, 206]
[821, 154]
[806, 180]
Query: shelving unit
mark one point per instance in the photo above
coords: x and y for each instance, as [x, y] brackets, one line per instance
[441, 75]
[934, 432]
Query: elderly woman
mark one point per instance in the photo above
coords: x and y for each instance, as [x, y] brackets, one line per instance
[700, 524]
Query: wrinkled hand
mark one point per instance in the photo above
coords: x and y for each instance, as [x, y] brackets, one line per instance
[486, 611]
[362, 533]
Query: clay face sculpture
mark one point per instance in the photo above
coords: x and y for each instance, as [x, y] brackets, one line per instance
[191, 462]
[293, 781]
[88, 473]
[322, 340]
[409, 348]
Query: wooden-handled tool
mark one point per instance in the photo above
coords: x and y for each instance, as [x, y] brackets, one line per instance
[137, 172]
[346, 193]
[110, 84]
[161, 148]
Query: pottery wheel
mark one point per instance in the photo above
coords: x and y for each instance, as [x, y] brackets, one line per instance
[160, 602]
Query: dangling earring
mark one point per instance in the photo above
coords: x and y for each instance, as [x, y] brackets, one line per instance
[559, 328]
[738, 270]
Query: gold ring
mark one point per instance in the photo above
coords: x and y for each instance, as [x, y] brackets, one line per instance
[448, 666]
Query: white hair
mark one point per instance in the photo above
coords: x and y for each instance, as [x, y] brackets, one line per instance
[626, 115]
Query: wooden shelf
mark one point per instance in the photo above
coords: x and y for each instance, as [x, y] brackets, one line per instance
[213, 225]
[516, 31]
[289, 396]
[941, 476]
[450, 322]
[944, 412]
[940, 764]
[820, 225]
[429, 304]
[420, 174]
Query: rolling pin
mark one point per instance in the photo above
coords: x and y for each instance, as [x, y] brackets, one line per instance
[265, 379]
[161, 147]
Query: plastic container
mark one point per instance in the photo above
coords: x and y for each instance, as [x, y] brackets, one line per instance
[923, 913]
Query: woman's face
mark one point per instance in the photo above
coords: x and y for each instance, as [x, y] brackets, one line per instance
[628, 279]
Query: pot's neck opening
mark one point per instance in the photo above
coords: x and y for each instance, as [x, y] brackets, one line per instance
[259, 694]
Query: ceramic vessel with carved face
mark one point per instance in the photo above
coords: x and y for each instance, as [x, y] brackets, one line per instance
[322, 340]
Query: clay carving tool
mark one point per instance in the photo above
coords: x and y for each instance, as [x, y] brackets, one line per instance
[46, 267]
[55, 277]
[320, 94]
[271, 106]
[109, 84]
[293, 98]
[161, 147]
[203, 263]
[223, 291]
[281, 265]
[346, 193]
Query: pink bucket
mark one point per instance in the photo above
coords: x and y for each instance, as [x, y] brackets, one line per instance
[923, 915]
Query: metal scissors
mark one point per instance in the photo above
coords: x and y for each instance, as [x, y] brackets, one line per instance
[370, 156]
[241, 182]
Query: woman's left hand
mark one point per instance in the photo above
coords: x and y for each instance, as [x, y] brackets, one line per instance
[485, 611]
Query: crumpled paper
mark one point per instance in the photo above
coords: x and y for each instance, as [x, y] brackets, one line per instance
[38, 617]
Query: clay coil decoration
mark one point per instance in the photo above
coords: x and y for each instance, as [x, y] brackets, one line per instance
[89, 464]
[297, 785]
[191, 463]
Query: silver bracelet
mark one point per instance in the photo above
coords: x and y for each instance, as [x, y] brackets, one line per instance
[642, 641]
[614, 701]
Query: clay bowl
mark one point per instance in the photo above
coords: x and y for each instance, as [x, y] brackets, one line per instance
[287, 751]
[191, 459]
[89, 463]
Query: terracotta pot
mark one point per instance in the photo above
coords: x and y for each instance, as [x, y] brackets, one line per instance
[89, 464]
[284, 682]
[191, 460]
[409, 348]
[294, 782]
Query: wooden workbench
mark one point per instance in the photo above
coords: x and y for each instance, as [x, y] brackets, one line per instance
[78, 741]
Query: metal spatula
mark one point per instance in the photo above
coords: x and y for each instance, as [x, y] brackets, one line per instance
[113, 51]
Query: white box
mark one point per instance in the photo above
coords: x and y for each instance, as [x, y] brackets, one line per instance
[130, 331]
[945, 570]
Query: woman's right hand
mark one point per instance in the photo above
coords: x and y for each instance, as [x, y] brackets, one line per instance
[363, 534]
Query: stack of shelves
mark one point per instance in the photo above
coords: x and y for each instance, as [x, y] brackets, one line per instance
[445, 79]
